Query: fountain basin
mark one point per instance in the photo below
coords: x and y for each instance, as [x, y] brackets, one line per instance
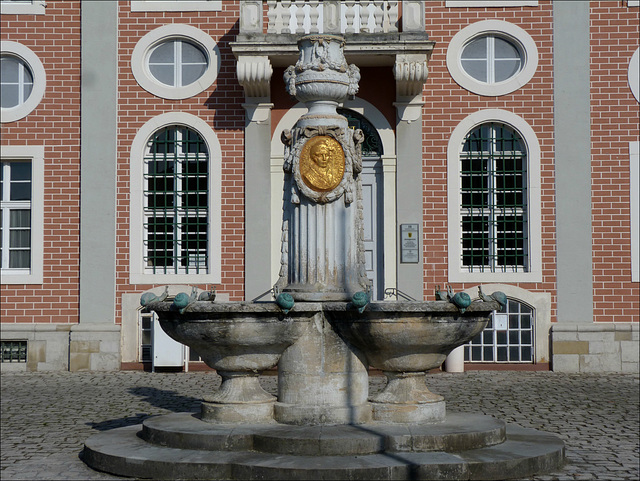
[408, 336]
[239, 340]
[405, 340]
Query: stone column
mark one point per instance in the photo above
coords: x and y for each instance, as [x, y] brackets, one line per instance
[95, 341]
[573, 161]
[410, 72]
[254, 74]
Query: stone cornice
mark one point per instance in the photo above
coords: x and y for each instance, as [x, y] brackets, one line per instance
[361, 49]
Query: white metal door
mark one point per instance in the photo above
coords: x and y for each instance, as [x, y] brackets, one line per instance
[372, 211]
[166, 351]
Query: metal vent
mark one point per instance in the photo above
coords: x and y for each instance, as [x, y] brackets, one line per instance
[14, 351]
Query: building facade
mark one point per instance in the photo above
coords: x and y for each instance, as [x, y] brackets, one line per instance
[141, 151]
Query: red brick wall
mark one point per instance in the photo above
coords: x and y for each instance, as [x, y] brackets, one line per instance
[55, 123]
[219, 106]
[447, 104]
[614, 123]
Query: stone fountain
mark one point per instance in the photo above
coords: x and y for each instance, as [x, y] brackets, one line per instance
[323, 333]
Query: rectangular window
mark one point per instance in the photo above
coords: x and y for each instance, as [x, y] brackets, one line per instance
[21, 216]
[634, 159]
[15, 237]
[176, 6]
[17, 7]
[490, 3]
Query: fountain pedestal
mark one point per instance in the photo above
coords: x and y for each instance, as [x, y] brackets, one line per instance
[322, 380]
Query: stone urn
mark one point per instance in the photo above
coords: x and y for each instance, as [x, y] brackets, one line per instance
[321, 77]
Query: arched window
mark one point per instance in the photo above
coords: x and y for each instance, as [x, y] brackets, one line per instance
[509, 336]
[176, 213]
[372, 144]
[493, 181]
[493, 175]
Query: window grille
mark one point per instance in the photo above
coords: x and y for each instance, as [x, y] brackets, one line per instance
[371, 144]
[514, 345]
[14, 351]
[176, 178]
[15, 224]
[494, 200]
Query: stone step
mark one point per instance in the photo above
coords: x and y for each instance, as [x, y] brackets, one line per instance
[123, 452]
[458, 432]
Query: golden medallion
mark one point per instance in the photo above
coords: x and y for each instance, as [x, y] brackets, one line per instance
[322, 163]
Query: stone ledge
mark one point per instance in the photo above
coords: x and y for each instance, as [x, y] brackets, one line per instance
[595, 327]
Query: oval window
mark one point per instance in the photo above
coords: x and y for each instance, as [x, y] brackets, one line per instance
[491, 59]
[177, 63]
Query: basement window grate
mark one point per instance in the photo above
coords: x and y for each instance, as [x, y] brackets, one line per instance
[14, 351]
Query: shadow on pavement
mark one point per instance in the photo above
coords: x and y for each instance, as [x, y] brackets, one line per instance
[158, 398]
[119, 423]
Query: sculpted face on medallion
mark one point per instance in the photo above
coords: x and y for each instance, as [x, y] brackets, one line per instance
[322, 163]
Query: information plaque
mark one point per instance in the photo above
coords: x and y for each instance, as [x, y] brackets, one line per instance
[409, 244]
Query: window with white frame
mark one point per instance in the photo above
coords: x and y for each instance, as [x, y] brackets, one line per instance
[22, 81]
[176, 178]
[21, 198]
[18, 7]
[494, 190]
[176, 6]
[492, 58]
[15, 181]
[510, 341]
[175, 214]
[494, 200]
[490, 3]
[175, 61]
[634, 74]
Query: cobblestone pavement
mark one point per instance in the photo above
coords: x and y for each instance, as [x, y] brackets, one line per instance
[46, 417]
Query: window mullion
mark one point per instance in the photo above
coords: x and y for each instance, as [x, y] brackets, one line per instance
[177, 70]
[491, 60]
[177, 198]
[492, 199]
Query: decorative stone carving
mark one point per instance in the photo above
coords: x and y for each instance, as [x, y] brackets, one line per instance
[410, 72]
[254, 74]
[322, 230]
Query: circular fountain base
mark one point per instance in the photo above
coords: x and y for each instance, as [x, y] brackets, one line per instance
[463, 446]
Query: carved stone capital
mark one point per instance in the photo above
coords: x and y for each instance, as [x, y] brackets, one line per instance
[254, 74]
[410, 72]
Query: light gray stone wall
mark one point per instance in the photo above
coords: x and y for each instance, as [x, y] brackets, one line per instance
[65, 347]
[47, 346]
[572, 161]
[601, 347]
[98, 160]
